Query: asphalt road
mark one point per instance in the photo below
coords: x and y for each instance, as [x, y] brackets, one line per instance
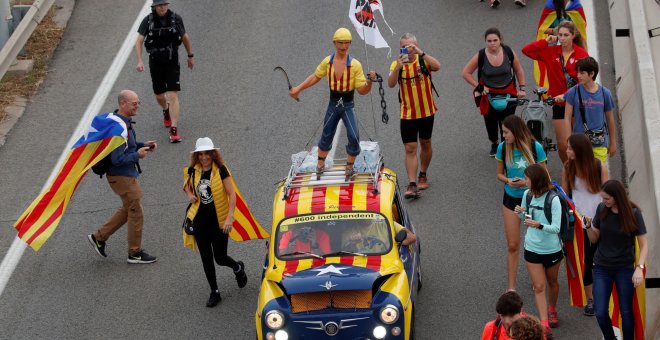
[66, 291]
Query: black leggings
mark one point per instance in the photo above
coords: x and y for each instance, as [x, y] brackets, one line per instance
[494, 120]
[589, 251]
[212, 243]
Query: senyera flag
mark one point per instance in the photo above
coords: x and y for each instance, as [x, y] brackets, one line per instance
[245, 226]
[106, 132]
[574, 251]
[361, 14]
[551, 17]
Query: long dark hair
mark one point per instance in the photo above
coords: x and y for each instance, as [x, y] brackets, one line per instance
[585, 165]
[539, 179]
[615, 189]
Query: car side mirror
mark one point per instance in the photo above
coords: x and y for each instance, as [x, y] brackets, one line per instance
[400, 236]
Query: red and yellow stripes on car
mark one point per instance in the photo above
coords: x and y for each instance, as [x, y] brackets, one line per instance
[336, 198]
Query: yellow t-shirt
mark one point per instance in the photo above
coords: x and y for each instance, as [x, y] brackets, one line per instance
[415, 91]
[352, 77]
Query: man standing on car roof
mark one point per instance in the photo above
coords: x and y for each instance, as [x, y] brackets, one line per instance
[412, 71]
[162, 32]
[345, 75]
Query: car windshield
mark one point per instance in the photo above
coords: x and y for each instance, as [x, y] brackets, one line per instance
[333, 234]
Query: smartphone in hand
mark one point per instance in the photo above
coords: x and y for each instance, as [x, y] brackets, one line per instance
[404, 54]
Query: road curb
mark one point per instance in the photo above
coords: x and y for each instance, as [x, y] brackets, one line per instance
[15, 110]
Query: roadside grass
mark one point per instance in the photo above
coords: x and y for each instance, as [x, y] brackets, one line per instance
[39, 47]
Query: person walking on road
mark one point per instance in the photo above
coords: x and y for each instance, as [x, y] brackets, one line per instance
[212, 197]
[345, 76]
[518, 151]
[590, 110]
[582, 177]
[508, 308]
[559, 61]
[543, 247]
[123, 179]
[412, 71]
[618, 223]
[498, 70]
[161, 32]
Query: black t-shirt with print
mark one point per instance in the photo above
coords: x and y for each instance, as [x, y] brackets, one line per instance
[206, 214]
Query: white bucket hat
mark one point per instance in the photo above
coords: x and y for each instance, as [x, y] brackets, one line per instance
[204, 144]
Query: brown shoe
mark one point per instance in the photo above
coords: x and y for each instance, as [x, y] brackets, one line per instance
[411, 191]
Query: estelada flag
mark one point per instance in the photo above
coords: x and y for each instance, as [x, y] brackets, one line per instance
[550, 19]
[361, 14]
[639, 304]
[106, 132]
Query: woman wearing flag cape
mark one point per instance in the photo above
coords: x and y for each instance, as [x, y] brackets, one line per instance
[212, 196]
[345, 76]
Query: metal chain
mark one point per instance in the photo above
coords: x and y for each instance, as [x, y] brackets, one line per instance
[383, 104]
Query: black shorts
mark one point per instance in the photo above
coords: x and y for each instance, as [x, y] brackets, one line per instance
[164, 75]
[558, 111]
[412, 128]
[547, 260]
[510, 202]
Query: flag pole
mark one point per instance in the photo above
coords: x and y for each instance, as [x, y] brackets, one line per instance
[371, 96]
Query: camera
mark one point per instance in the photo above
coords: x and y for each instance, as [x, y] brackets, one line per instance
[404, 53]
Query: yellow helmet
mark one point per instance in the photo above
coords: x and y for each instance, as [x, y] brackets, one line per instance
[342, 34]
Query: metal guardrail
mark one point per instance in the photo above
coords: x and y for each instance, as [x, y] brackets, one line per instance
[22, 33]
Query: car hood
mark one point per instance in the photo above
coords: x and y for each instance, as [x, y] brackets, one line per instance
[331, 277]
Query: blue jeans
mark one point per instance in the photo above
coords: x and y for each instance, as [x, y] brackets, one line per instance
[604, 278]
[335, 112]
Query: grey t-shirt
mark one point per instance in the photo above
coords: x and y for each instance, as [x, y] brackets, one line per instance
[616, 249]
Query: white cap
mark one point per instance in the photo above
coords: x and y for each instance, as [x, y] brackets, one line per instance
[204, 144]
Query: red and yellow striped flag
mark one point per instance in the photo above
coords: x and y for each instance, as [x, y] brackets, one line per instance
[548, 19]
[245, 226]
[38, 222]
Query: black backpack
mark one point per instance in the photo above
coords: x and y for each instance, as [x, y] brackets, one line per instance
[425, 71]
[567, 226]
[102, 167]
[149, 41]
[482, 56]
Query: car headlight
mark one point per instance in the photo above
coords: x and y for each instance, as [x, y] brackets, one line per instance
[274, 319]
[389, 314]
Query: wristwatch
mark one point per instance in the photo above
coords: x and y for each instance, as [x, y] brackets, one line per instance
[191, 55]
[641, 266]
[540, 226]
[422, 55]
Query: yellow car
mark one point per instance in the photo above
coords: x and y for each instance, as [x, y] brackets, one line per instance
[337, 266]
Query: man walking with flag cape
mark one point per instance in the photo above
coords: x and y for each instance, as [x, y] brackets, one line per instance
[123, 179]
[106, 133]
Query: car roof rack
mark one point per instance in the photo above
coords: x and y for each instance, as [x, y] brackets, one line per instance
[368, 166]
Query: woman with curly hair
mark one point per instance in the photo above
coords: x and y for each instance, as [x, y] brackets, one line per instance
[212, 197]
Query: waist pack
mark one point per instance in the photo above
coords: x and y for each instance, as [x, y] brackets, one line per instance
[498, 101]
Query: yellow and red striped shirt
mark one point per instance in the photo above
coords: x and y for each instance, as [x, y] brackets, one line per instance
[415, 91]
[351, 78]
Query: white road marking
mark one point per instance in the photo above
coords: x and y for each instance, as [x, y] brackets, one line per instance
[17, 248]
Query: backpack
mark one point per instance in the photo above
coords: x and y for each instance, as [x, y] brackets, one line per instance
[425, 71]
[150, 41]
[482, 56]
[102, 167]
[567, 225]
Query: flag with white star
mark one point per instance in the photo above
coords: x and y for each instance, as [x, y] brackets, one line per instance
[105, 133]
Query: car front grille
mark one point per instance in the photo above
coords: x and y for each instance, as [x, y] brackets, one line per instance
[342, 299]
